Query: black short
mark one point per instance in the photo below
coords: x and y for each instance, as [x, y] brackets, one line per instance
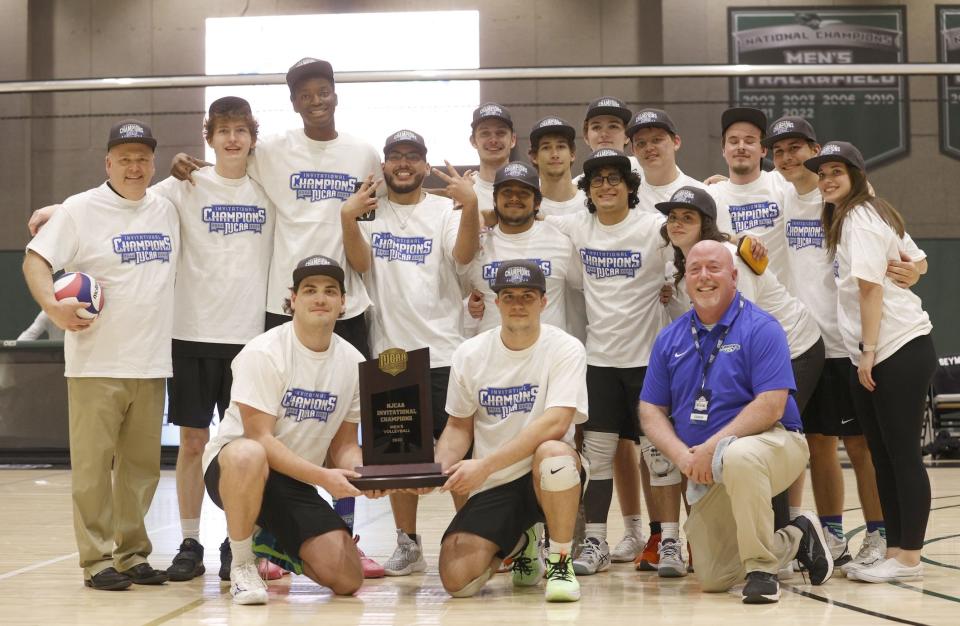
[291, 511]
[501, 514]
[613, 394]
[830, 410]
[201, 381]
[806, 373]
[439, 379]
[353, 329]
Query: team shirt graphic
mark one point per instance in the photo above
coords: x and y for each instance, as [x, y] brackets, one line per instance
[319, 186]
[804, 234]
[302, 404]
[140, 248]
[505, 401]
[395, 248]
[234, 218]
[489, 271]
[609, 263]
[753, 215]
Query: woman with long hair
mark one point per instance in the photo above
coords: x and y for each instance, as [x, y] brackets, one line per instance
[887, 335]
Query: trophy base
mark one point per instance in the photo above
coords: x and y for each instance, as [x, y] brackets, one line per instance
[405, 476]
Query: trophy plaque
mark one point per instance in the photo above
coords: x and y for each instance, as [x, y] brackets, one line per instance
[396, 422]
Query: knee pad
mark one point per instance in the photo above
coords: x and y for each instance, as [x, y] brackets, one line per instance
[663, 472]
[471, 588]
[558, 473]
[600, 448]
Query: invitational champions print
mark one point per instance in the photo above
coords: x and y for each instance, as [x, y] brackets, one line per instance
[318, 186]
[505, 401]
[303, 404]
[140, 248]
[234, 218]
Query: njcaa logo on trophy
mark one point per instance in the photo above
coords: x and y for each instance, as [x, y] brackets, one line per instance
[392, 361]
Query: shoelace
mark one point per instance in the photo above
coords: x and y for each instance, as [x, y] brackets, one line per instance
[589, 549]
[522, 564]
[670, 549]
[560, 569]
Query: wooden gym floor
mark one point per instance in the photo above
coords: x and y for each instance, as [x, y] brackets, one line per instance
[41, 583]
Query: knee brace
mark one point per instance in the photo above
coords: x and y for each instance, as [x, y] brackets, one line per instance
[471, 588]
[600, 448]
[558, 473]
[663, 472]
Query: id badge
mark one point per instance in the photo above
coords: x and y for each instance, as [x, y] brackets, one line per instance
[701, 408]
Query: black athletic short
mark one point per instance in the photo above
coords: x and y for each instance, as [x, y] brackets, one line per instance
[353, 329]
[439, 379]
[201, 381]
[613, 394]
[291, 511]
[830, 410]
[806, 372]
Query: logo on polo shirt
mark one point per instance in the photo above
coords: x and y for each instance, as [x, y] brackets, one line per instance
[302, 404]
[502, 402]
[729, 347]
[753, 215]
[319, 186]
[140, 248]
[234, 218]
[683, 195]
[607, 263]
[394, 248]
[490, 269]
[804, 234]
[783, 126]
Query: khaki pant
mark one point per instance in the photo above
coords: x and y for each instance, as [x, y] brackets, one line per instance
[115, 456]
[730, 529]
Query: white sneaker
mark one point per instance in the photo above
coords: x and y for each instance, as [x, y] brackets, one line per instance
[594, 557]
[407, 558]
[627, 549]
[873, 550]
[671, 559]
[839, 550]
[890, 570]
[246, 586]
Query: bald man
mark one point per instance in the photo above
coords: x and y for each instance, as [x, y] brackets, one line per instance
[722, 371]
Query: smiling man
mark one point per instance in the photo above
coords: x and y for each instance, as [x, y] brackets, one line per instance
[493, 137]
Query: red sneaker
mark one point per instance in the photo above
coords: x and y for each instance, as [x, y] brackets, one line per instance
[371, 569]
[269, 570]
[649, 559]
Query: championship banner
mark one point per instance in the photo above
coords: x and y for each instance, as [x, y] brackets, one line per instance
[948, 51]
[868, 111]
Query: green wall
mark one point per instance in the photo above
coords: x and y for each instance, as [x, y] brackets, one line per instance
[940, 290]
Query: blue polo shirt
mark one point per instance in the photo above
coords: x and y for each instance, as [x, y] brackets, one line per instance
[754, 358]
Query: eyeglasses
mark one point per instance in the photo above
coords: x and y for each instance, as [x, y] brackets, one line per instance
[526, 298]
[613, 180]
[411, 157]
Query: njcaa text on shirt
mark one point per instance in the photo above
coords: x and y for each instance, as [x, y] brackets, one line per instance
[303, 404]
[140, 248]
[753, 215]
[505, 401]
[608, 263]
[234, 218]
[319, 186]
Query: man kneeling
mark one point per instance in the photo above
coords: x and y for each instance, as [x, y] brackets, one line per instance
[295, 397]
[515, 393]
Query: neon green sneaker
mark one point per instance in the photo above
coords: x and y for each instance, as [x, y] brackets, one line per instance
[562, 585]
[528, 567]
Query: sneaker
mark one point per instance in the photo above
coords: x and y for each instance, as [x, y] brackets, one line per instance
[649, 559]
[761, 588]
[371, 569]
[562, 585]
[246, 586]
[108, 580]
[889, 570]
[813, 552]
[407, 558]
[528, 567]
[226, 559]
[872, 551]
[188, 564]
[594, 557]
[627, 549]
[671, 563]
[270, 571]
[143, 574]
[838, 549]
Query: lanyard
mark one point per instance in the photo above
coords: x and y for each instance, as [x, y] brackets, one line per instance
[716, 348]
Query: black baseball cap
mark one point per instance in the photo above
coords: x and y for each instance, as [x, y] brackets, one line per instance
[789, 127]
[491, 111]
[608, 105]
[744, 114]
[837, 151]
[519, 273]
[318, 265]
[688, 197]
[552, 125]
[648, 118]
[229, 104]
[308, 67]
[407, 137]
[520, 172]
[131, 131]
[606, 156]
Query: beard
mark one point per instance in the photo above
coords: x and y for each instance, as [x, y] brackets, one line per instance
[742, 169]
[403, 187]
[514, 221]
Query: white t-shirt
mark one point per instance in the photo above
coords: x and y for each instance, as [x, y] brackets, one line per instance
[575, 306]
[307, 181]
[542, 244]
[504, 390]
[226, 232]
[867, 244]
[310, 393]
[484, 191]
[623, 269]
[756, 209]
[130, 248]
[651, 195]
[574, 205]
[413, 278]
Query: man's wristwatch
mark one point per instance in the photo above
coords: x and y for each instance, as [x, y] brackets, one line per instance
[868, 347]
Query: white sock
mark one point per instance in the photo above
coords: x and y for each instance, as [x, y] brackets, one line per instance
[242, 550]
[597, 530]
[633, 526]
[795, 512]
[669, 530]
[190, 528]
[556, 547]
